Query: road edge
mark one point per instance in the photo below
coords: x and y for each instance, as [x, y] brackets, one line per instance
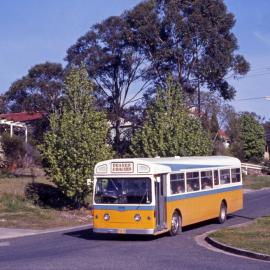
[46, 231]
[236, 251]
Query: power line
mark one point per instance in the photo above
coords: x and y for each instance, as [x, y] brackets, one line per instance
[254, 98]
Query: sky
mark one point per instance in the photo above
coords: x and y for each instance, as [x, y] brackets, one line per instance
[34, 31]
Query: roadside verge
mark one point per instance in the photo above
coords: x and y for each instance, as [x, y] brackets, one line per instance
[8, 233]
[236, 251]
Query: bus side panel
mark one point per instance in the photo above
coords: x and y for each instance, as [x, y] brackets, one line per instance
[123, 219]
[235, 201]
[203, 207]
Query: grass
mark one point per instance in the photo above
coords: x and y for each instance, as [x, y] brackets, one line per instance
[36, 204]
[256, 182]
[254, 236]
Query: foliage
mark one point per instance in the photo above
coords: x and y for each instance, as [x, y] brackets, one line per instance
[252, 137]
[39, 90]
[2, 104]
[267, 133]
[169, 129]
[191, 40]
[113, 65]
[18, 153]
[77, 140]
[14, 148]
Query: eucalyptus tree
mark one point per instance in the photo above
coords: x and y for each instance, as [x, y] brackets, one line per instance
[114, 65]
[191, 40]
[40, 90]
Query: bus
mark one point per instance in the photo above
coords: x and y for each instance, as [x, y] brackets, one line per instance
[158, 195]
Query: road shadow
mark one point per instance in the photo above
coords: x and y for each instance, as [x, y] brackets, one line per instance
[88, 234]
[209, 222]
[243, 217]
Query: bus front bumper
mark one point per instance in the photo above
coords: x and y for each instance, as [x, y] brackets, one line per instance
[125, 231]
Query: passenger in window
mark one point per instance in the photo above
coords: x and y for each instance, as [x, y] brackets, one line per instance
[193, 185]
[207, 183]
[180, 188]
[189, 187]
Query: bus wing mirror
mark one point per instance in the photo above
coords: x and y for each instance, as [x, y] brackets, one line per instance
[158, 179]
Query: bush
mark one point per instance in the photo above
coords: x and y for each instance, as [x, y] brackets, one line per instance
[18, 153]
[14, 148]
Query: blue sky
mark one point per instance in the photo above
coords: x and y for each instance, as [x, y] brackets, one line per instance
[34, 31]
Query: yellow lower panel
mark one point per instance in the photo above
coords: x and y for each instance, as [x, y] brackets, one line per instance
[124, 219]
[205, 207]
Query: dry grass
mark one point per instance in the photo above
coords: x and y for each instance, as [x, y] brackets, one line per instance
[18, 211]
[17, 185]
[256, 182]
[254, 236]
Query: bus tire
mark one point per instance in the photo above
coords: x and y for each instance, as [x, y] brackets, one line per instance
[222, 213]
[176, 224]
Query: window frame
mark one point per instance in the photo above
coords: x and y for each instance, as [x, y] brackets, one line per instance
[177, 180]
[211, 180]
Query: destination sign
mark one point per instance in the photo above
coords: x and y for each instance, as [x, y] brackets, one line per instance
[122, 167]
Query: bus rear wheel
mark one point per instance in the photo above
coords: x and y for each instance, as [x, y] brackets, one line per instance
[222, 213]
[176, 224]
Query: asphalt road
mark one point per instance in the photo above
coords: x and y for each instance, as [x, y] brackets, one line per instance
[84, 250]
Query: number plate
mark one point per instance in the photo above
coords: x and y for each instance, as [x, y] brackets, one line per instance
[121, 230]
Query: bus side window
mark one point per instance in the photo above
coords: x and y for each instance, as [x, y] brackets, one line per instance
[216, 180]
[193, 183]
[225, 176]
[206, 180]
[177, 183]
[236, 177]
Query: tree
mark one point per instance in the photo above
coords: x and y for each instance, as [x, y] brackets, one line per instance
[252, 136]
[114, 65]
[40, 90]
[2, 104]
[77, 139]
[267, 133]
[169, 129]
[191, 40]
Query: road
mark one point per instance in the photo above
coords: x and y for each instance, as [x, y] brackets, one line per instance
[84, 250]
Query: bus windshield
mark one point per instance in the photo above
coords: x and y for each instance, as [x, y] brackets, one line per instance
[123, 191]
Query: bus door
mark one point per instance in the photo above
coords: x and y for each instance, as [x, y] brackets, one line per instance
[160, 193]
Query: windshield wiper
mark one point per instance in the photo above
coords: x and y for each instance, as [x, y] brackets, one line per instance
[146, 191]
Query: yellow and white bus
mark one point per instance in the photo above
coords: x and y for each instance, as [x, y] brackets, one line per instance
[157, 195]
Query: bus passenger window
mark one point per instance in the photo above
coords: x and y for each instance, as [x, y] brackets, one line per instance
[177, 183]
[236, 177]
[225, 176]
[216, 181]
[193, 181]
[206, 180]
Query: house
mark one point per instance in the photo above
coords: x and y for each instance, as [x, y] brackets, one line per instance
[18, 122]
[224, 138]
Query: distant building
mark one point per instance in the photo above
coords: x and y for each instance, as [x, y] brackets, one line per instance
[224, 138]
[126, 128]
[18, 122]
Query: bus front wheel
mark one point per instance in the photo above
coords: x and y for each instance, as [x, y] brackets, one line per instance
[176, 224]
[222, 213]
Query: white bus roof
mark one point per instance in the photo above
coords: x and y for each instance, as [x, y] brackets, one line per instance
[174, 164]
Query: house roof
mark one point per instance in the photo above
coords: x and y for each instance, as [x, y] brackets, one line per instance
[222, 134]
[22, 116]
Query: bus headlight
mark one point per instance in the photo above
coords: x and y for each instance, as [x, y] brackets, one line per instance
[106, 217]
[137, 217]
